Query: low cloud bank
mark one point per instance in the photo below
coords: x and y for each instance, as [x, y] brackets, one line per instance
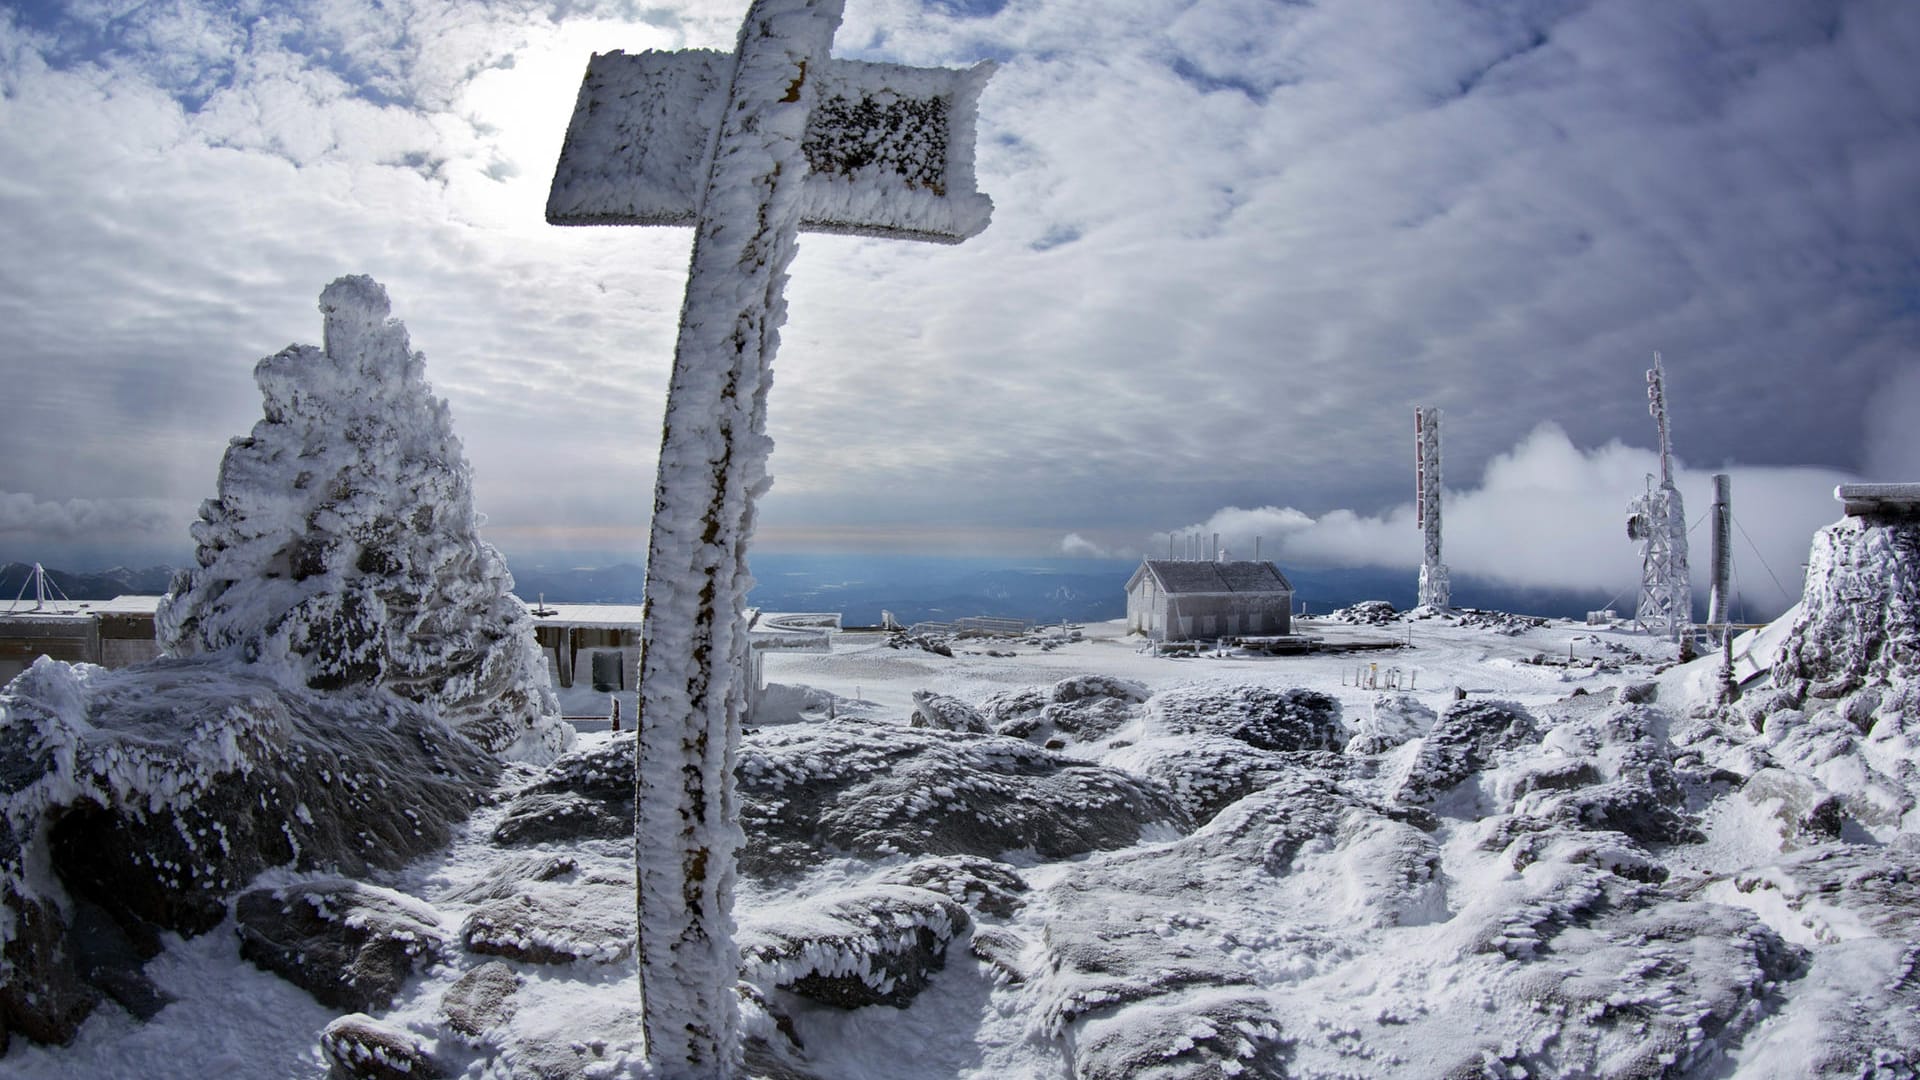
[90, 519]
[1548, 514]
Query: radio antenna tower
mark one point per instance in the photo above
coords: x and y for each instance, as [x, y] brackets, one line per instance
[1659, 523]
[1436, 591]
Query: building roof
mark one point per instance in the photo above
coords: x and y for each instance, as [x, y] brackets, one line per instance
[1178, 576]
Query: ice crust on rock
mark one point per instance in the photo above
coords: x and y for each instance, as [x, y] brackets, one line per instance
[342, 549]
[874, 944]
[349, 944]
[874, 789]
[1292, 719]
[154, 792]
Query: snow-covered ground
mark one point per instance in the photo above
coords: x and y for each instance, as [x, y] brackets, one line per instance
[1570, 887]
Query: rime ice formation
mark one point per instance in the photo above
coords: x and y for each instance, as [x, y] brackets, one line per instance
[136, 801]
[1845, 705]
[342, 549]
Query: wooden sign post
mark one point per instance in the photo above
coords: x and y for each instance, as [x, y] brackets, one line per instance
[749, 149]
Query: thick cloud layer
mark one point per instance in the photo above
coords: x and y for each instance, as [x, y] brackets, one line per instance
[1548, 514]
[1235, 242]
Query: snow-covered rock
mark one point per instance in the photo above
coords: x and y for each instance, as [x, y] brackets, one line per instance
[984, 885]
[342, 549]
[481, 1000]
[585, 794]
[874, 944]
[1082, 709]
[1464, 740]
[1291, 719]
[1212, 1034]
[155, 792]
[349, 944]
[584, 917]
[1606, 767]
[362, 1048]
[932, 710]
[1206, 772]
[876, 789]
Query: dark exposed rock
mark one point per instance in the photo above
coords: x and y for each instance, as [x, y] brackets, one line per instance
[872, 945]
[1464, 741]
[983, 885]
[872, 789]
[1266, 718]
[350, 945]
[932, 710]
[44, 996]
[175, 783]
[481, 999]
[358, 1047]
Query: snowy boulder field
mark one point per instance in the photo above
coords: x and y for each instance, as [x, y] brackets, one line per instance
[1542, 850]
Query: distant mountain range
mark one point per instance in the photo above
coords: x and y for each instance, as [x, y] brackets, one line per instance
[1045, 590]
[913, 588]
[16, 581]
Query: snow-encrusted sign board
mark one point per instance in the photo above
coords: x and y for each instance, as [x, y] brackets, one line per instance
[748, 148]
[889, 148]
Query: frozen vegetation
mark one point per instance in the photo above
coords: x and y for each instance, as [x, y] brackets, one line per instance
[348, 672]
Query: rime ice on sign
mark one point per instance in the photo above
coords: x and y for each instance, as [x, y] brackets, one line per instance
[888, 148]
[748, 149]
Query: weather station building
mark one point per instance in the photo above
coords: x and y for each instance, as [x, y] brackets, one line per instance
[1190, 599]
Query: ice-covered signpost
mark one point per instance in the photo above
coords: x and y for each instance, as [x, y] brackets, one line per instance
[749, 149]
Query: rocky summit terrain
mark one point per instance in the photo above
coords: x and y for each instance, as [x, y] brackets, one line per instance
[1547, 851]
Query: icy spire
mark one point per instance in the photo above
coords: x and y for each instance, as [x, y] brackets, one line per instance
[1436, 589]
[343, 548]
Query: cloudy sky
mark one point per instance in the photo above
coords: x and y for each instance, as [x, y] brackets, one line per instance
[1236, 241]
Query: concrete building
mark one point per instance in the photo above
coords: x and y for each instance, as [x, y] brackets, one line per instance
[1184, 600]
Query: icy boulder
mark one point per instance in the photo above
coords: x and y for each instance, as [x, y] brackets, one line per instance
[1466, 739]
[362, 1048]
[348, 944]
[1082, 709]
[1207, 773]
[875, 789]
[342, 549]
[1293, 719]
[587, 794]
[1845, 708]
[870, 945]
[1859, 617]
[1605, 767]
[568, 918]
[932, 710]
[153, 793]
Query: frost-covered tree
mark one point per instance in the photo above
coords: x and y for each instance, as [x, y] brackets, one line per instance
[343, 548]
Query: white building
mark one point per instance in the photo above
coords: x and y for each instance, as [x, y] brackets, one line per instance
[1183, 600]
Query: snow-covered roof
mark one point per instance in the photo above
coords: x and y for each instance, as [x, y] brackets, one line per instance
[73, 609]
[607, 616]
[1878, 498]
[1178, 576]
